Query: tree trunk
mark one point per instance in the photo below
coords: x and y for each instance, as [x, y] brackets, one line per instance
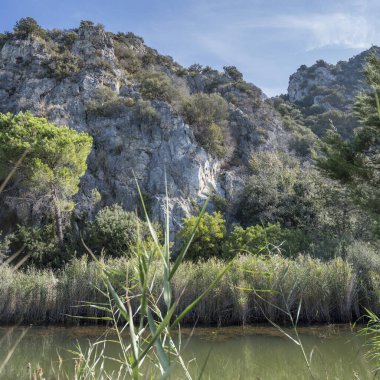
[58, 220]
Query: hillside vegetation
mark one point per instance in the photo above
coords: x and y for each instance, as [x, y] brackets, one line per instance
[92, 112]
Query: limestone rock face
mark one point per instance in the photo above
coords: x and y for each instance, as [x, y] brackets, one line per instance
[319, 83]
[300, 87]
[142, 138]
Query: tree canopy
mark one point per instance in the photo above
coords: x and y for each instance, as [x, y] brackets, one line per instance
[356, 163]
[50, 172]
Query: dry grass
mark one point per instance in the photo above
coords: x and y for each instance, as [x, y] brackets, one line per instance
[329, 291]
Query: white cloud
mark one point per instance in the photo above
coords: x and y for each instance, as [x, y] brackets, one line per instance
[336, 29]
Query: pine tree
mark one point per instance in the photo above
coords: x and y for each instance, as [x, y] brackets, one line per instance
[50, 172]
[356, 162]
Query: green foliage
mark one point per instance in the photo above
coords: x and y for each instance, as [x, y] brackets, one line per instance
[328, 290]
[5, 244]
[4, 37]
[302, 140]
[207, 114]
[69, 38]
[195, 69]
[209, 236]
[251, 240]
[40, 243]
[127, 58]
[355, 163]
[128, 39]
[28, 26]
[115, 231]
[106, 103]
[85, 24]
[145, 113]
[278, 190]
[269, 239]
[320, 121]
[233, 73]
[156, 86]
[62, 65]
[371, 332]
[316, 214]
[203, 110]
[149, 58]
[55, 161]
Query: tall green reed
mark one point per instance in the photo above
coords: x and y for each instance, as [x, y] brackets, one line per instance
[132, 303]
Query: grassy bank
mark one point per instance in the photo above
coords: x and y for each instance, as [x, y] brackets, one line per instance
[330, 291]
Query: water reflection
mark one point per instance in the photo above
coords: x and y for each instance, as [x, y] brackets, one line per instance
[254, 352]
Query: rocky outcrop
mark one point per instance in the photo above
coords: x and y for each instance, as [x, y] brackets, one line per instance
[58, 76]
[325, 93]
[317, 84]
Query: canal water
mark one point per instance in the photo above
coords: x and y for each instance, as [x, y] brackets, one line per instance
[253, 352]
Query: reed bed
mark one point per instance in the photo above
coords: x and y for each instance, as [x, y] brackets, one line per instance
[254, 289]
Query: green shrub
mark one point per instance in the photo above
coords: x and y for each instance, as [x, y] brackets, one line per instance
[203, 109]
[149, 58]
[69, 39]
[107, 103]
[209, 237]
[254, 239]
[62, 65]
[5, 244]
[365, 260]
[145, 113]
[28, 26]
[260, 239]
[195, 69]
[233, 73]
[156, 86]
[182, 72]
[4, 37]
[40, 243]
[207, 114]
[277, 191]
[127, 58]
[85, 24]
[115, 231]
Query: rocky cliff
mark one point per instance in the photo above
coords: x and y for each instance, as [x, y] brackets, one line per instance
[324, 92]
[128, 97]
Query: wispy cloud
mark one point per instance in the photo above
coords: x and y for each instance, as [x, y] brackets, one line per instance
[336, 29]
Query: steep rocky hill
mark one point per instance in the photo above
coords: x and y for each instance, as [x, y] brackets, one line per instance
[145, 114]
[149, 116]
[324, 92]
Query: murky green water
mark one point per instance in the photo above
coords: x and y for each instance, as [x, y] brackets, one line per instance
[236, 353]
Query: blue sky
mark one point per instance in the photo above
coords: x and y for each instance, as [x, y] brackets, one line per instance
[266, 39]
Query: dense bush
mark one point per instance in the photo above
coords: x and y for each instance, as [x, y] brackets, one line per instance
[115, 231]
[127, 58]
[301, 139]
[4, 37]
[365, 260]
[62, 65]
[28, 26]
[209, 237]
[69, 39]
[208, 115]
[145, 113]
[156, 86]
[233, 73]
[107, 103]
[5, 244]
[278, 190]
[252, 240]
[40, 243]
